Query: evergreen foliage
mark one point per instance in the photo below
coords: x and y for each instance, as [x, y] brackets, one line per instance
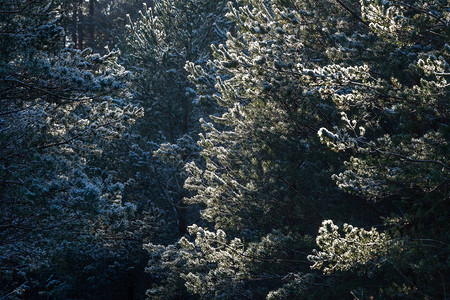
[395, 127]
[263, 181]
[294, 69]
[290, 149]
[160, 42]
[59, 106]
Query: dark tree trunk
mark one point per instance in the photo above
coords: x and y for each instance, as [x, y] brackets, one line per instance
[185, 115]
[75, 26]
[80, 27]
[91, 26]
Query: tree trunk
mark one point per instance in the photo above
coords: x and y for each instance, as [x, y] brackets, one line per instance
[80, 27]
[74, 26]
[91, 26]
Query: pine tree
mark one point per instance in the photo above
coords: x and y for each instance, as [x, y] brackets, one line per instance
[265, 182]
[159, 43]
[59, 107]
[393, 95]
[294, 69]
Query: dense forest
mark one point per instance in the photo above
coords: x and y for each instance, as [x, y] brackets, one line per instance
[209, 149]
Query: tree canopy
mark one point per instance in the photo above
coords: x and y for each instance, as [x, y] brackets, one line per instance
[175, 149]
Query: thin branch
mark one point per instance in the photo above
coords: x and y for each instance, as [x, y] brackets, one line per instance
[432, 241]
[12, 182]
[39, 89]
[354, 14]
[413, 159]
[60, 143]
[423, 11]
